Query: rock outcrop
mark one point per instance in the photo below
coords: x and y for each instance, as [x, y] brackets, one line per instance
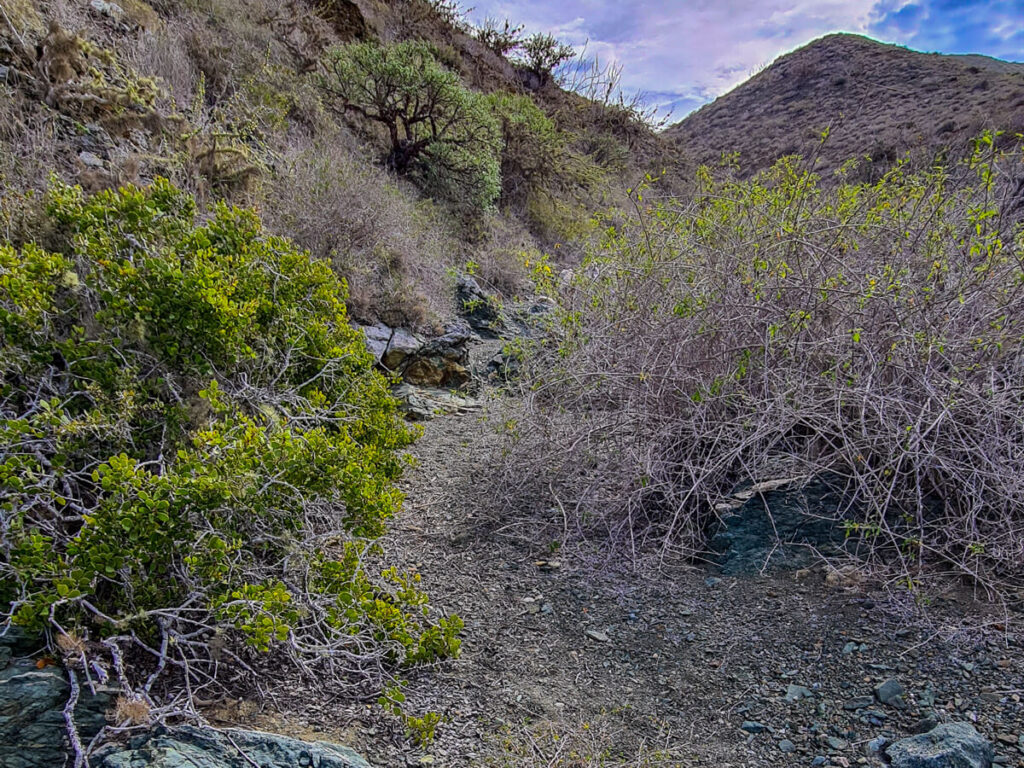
[191, 747]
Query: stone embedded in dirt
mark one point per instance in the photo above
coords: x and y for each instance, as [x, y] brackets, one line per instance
[752, 726]
[783, 525]
[860, 702]
[952, 745]
[836, 743]
[796, 692]
[891, 692]
[191, 747]
[787, 746]
[598, 636]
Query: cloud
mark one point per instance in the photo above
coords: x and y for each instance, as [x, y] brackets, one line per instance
[687, 53]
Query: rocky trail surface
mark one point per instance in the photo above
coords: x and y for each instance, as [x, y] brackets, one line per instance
[572, 660]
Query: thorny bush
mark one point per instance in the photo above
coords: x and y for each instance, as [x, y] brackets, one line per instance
[195, 457]
[868, 333]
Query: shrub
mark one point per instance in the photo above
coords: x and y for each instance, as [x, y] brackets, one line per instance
[532, 147]
[872, 334]
[541, 54]
[438, 129]
[195, 454]
[502, 40]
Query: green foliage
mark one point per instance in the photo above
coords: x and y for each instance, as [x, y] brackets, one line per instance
[440, 132]
[192, 435]
[532, 147]
[542, 54]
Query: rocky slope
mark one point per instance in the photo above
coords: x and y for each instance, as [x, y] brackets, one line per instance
[879, 101]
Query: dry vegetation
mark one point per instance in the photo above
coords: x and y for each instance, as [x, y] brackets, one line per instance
[879, 100]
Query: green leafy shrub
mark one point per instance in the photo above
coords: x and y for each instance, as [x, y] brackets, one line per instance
[438, 130]
[541, 54]
[196, 452]
[872, 334]
[532, 148]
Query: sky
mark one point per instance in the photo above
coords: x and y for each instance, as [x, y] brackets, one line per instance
[684, 53]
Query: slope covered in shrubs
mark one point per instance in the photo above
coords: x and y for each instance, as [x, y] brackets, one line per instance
[869, 334]
[195, 456]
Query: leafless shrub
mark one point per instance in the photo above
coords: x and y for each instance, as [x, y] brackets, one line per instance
[870, 334]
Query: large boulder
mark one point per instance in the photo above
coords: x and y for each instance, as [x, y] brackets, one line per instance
[441, 361]
[33, 733]
[191, 747]
[952, 745]
[391, 346]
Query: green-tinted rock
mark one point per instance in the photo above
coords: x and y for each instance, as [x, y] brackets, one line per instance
[190, 747]
[32, 729]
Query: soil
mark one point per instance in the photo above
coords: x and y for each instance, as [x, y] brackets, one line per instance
[573, 659]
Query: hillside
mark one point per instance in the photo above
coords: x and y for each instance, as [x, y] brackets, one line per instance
[879, 100]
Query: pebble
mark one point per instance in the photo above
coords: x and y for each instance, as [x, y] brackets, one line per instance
[819, 760]
[787, 746]
[712, 581]
[836, 743]
[877, 744]
[752, 726]
[598, 636]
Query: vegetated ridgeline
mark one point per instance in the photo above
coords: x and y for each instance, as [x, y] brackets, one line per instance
[880, 100]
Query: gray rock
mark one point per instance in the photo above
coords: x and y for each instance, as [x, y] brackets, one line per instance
[860, 702]
[441, 361]
[877, 744]
[90, 159]
[787, 746]
[836, 743]
[797, 692]
[423, 404]
[597, 635]
[32, 729]
[190, 747]
[752, 726]
[953, 745]
[391, 346]
[781, 525]
[481, 309]
[891, 692]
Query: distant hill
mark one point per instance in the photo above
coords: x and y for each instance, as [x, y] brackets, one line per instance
[880, 100]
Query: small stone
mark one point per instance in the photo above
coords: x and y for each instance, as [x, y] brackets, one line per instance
[819, 760]
[849, 648]
[712, 581]
[891, 692]
[1007, 738]
[836, 743]
[752, 726]
[598, 636]
[787, 746]
[427, 760]
[797, 692]
[924, 725]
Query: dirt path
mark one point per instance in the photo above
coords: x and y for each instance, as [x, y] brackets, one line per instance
[587, 664]
[586, 660]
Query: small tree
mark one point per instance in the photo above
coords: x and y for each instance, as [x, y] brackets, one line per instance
[500, 39]
[531, 160]
[542, 54]
[438, 128]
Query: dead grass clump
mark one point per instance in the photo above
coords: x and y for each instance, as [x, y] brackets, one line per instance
[395, 252]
